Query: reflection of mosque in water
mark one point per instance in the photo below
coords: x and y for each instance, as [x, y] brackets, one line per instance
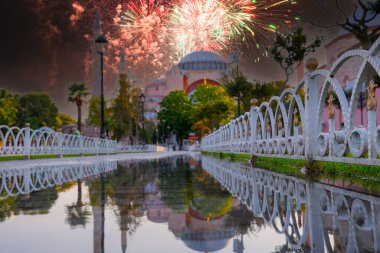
[137, 193]
[312, 216]
[198, 233]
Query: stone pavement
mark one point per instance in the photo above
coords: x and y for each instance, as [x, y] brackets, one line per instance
[89, 159]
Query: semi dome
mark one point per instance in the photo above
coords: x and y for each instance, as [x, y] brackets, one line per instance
[203, 60]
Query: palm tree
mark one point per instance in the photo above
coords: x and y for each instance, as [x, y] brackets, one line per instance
[77, 94]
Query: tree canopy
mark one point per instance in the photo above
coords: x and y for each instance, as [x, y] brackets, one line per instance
[63, 119]
[212, 107]
[77, 93]
[8, 108]
[240, 87]
[356, 20]
[38, 109]
[175, 113]
[290, 49]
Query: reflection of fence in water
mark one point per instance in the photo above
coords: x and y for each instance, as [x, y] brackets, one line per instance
[291, 126]
[23, 181]
[26, 141]
[310, 214]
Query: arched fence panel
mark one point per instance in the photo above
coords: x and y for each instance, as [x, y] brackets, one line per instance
[291, 125]
[16, 141]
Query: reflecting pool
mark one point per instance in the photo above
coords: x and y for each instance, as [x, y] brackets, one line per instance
[182, 204]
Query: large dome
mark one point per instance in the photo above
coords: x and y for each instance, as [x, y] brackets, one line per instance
[203, 60]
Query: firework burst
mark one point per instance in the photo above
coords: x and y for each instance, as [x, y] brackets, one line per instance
[216, 24]
[157, 33]
[206, 24]
[145, 34]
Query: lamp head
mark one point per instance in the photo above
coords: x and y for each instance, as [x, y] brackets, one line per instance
[100, 42]
[142, 97]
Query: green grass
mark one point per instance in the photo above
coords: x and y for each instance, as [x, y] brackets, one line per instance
[34, 157]
[294, 165]
[367, 176]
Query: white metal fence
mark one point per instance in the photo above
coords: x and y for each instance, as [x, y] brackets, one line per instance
[291, 127]
[22, 181]
[303, 210]
[16, 141]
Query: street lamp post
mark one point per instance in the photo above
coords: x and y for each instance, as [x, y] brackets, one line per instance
[100, 42]
[156, 123]
[142, 100]
[238, 99]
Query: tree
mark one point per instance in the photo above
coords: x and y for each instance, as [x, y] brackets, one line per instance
[63, 119]
[175, 114]
[240, 88]
[212, 105]
[263, 91]
[78, 92]
[290, 49]
[122, 108]
[356, 22]
[37, 109]
[8, 108]
[94, 114]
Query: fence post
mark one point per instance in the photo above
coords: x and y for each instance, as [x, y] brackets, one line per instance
[311, 111]
[27, 141]
[253, 124]
[331, 136]
[371, 108]
[60, 143]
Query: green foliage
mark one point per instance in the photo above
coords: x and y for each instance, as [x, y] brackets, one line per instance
[37, 109]
[77, 93]
[122, 108]
[263, 91]
[290, 49]
[175, 113]
[241, 88]
[94, 114]
[63, 119]
[8, 108]
[211, 105]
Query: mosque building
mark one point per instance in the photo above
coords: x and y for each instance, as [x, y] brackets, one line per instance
[192, 71]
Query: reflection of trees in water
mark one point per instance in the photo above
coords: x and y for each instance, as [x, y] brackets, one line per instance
[36, 202]
[7, 206]
[244, 220]
[176, 185]
[286, 249]
[125, 190]
[78, 213]
[182, 187]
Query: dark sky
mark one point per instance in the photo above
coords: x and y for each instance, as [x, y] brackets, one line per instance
[42, 51]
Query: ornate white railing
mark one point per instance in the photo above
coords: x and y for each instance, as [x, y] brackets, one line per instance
[294, 128]
[25, 141]
[22, 181]
[321, 217]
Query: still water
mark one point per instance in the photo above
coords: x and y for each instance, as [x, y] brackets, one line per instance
[182, 204]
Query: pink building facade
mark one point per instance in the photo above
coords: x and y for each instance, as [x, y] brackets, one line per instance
[346, 77]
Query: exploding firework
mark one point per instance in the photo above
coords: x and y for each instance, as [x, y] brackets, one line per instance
[211, 24]
[217, 24]
[144, 31]
[155, 34]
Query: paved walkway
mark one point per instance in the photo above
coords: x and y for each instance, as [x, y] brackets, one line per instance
[90, 159]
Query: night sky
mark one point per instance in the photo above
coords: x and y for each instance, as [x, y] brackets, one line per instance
[45, 45]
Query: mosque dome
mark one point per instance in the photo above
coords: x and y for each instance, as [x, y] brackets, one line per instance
[203, 60]
[207, 241]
